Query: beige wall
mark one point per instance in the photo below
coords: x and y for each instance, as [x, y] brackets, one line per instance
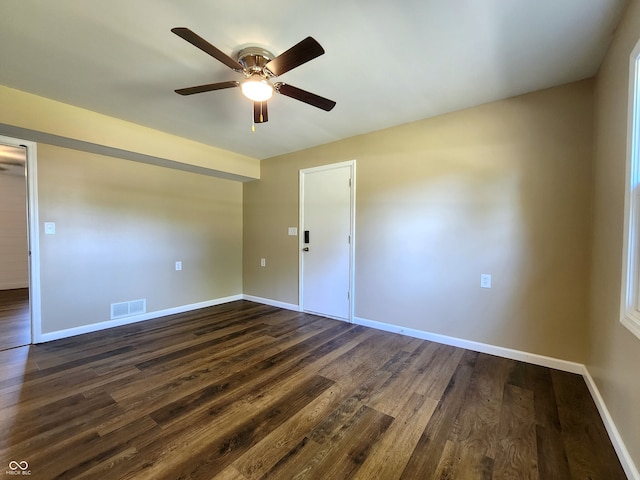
[121, 223]
[39, 119]
[614, 352]
[502, 188]
[14, 263]
[120, 227]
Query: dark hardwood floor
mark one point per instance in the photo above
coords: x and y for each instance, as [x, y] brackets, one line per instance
[246, 391]
[15, 324]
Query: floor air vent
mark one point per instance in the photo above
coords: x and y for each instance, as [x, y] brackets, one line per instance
[127, 309]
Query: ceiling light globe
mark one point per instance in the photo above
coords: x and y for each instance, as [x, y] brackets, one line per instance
[257, 89]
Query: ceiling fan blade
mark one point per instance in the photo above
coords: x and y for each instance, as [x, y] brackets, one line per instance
[260, 113]
[304, 96]
[300, 53]
[206, 47]
[207, 88]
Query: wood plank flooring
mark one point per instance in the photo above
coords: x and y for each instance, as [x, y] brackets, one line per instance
[246, 391]
[15, 324]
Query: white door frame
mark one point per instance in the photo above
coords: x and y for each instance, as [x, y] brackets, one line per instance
[33, 234]
[352, 232]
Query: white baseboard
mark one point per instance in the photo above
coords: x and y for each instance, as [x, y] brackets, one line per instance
[541, 360]
[273, 303]
[623, 454]
[94, 327]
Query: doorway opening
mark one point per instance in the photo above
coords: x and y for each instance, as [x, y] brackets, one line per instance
[19, 272]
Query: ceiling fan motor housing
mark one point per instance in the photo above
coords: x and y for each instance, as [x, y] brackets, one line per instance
[254, 59]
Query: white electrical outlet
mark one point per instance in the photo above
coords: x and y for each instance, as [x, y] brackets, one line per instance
[178, 266]
[292, 231]
[263, 262]
[485, 280]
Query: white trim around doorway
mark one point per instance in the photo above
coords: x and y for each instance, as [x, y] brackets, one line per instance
[352, 256]
[33, 233]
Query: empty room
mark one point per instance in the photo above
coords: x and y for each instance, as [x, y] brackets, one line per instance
[320, 240]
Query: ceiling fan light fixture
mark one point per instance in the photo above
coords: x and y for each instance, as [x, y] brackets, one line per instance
[257, 88]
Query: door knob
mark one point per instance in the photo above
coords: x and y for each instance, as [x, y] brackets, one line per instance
[305, 249]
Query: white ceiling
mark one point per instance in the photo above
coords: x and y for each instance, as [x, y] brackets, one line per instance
[386, 62]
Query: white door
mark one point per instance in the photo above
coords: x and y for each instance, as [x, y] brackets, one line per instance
[326, 238]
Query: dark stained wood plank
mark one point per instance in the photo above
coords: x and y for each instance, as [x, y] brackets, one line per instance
[47, 444]
[54, 415]
[476, 426]
[338, 454]
[552, 458]
[235, 368]
[15, 320]
[96, 454]
[211, 458]
[223, 410]
[427, 372]
[389, 456]
[583, 431]
[230, 473]
[15, 362]
[333, 426]
[262, 457]
[464, 461]
[347, 456]
[353, 389]
[243, 391]
[355, 384]
[516, 455]
[426, 455]
[433, 377]
[257, 376]
[377, 347]
[63, 368]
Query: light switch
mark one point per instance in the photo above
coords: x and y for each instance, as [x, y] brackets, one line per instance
[263, 262]
[49, 228]
[485, 280]
[293, 231]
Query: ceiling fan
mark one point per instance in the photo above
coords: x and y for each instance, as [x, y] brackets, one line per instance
[259, 67]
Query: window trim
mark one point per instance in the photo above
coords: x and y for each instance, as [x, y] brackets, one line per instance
[630, 287]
